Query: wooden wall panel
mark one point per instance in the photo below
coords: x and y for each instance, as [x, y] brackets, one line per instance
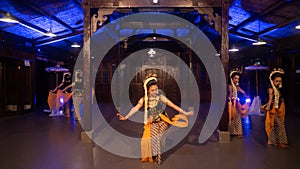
[17, 88]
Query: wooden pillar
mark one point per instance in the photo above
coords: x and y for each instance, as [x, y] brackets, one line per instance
[90, 27]
[87, 96]
[224, 57]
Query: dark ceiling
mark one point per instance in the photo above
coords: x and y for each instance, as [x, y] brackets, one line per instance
[271, 20]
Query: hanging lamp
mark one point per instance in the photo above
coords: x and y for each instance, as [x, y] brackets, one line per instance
[259, 40]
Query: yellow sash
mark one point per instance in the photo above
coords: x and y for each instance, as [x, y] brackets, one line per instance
[53, 99]
[178, 120]
[269, 121]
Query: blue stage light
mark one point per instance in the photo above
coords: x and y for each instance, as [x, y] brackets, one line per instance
[248, 100]
[61, 100]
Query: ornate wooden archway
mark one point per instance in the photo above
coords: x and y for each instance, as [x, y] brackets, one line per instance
[106, 7]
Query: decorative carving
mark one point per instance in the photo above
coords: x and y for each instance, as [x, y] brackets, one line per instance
[211, 17]
[149, 3]
[99, 18]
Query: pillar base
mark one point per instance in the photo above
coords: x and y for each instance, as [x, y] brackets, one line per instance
[224, 136]
[85, 137]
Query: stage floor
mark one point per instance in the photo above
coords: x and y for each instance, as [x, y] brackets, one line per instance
[36, 141]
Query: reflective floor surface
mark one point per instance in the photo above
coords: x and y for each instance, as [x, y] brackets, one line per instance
[36, 141]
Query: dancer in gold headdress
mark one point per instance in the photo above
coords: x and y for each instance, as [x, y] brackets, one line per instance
[156, 119]
[275, 114]
[235, 109]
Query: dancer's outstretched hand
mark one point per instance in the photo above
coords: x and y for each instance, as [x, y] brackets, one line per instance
[121, 117]
[190, 113]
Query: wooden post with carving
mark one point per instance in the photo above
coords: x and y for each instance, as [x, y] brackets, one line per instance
[91, 24]
[87, 97]
[225, 58]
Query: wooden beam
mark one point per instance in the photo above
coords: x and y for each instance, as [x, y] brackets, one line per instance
[42, 38]
[279, 25]
[244, 36]
[207, 3]
[58, 38]
[152, 25]
[149, 3]
[26, 24]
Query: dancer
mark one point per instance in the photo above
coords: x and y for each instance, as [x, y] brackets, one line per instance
[275, 112]
[235, 108]
[61, 97]
[156, 120]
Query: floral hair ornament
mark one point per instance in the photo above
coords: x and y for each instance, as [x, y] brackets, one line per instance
[235, 71]
[276, 92]
[276, 71]
[148, 78]
[234, 89]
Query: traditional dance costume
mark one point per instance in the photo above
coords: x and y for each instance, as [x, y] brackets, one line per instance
[235, 109]
[156, 123]
[274, 122]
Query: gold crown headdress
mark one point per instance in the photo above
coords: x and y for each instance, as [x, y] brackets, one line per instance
[66, 77]
[236, 70]
[276, 92]
[279, 70]
[148, 78]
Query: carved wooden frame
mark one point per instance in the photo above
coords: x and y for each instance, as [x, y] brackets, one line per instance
[106, 7]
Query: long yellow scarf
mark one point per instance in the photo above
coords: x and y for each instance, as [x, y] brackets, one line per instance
[53, 99]
[269, 121]
[178, 120]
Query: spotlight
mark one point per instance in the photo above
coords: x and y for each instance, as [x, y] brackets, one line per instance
[50, 34]
[248, 100]
[155, 1]
[233, 49]
[61, 100]
[259, 42]
[75, 45]
[7, 18]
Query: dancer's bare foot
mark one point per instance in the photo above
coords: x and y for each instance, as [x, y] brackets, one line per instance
[283, 146]
[270, 143]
